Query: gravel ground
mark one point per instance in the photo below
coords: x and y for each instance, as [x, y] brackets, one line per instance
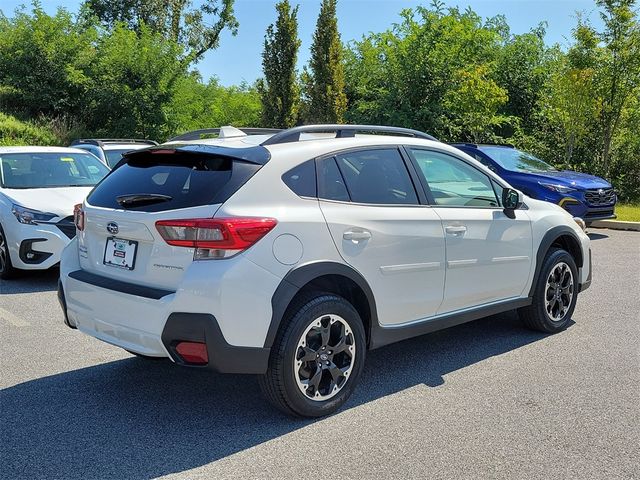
[483, 400]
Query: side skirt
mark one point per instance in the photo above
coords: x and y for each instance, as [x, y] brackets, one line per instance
[381, 336]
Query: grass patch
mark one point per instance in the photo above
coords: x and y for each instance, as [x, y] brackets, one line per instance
[628, 212]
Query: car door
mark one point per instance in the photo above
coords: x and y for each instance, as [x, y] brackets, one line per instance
[488, 254]
[382, 229]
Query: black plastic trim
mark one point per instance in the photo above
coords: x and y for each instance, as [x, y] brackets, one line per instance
[63, 305]
[587, 282]
[26, 246]
[119, 286]
[342, 131]
[551, 236]
[300, 276]
[381, 336]
[223, 358]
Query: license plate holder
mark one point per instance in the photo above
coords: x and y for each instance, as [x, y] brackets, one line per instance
[120, 253]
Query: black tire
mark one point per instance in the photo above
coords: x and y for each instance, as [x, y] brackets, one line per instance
[541, 315]
[281, 384]
[7, 271]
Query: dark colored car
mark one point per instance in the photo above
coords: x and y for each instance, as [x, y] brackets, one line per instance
[585, 196]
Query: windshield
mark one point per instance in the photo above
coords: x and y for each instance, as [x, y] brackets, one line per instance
[517, 160]
[114, 156]
[49, 170]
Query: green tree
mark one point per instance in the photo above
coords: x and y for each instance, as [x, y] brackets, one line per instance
[134, 78]
[473, 104]
[279, 91]
[196, 27]
[324, 82]
[619, 74]
[45, 62]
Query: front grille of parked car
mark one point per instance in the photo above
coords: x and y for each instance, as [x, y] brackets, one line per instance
[67, 226]
[600, 196]
[599, 214]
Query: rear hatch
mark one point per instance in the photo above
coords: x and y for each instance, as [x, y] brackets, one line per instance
[120, 240]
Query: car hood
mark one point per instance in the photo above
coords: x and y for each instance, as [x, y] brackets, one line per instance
[59, 201]
[573, 179]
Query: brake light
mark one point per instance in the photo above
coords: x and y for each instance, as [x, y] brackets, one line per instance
[215, 238]
[78, 216]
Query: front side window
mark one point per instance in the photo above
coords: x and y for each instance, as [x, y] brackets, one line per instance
[453, 182]
[377, 176]
[49, 170]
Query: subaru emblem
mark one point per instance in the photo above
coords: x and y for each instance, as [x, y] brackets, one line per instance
[601, 192]
[112, 227]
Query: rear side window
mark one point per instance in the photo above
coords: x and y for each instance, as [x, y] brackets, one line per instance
[377, 176]
[330, 182]
[302, 179]
[157, 183]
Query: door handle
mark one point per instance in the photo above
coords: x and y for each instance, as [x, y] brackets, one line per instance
[356, 235]
[456, 230]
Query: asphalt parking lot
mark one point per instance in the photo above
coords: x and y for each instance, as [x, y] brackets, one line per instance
[483, 400]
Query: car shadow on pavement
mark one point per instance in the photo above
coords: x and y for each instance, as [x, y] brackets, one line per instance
[136, 418]
[29, 281]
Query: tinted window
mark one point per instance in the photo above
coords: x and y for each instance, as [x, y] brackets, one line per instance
[302, 179]
[188, 180]
[330, 182]
[453, 182]
[114, 156]
[377, 176]
[49, 170]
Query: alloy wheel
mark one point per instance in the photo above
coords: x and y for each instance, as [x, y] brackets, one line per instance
[559, 292]
[4, 253]
[324, 357]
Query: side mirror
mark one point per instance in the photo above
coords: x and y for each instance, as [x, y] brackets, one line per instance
[511, 199]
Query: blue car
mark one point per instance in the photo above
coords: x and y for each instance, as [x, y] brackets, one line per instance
[585, 196]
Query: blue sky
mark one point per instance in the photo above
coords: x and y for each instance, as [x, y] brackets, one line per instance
[239, 58]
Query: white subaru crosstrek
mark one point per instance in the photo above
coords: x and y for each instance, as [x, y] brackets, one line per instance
[39, 187]
[290, 255]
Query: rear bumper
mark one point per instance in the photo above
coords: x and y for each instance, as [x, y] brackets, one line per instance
[152, 321]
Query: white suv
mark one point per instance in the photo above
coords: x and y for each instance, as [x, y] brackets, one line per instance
[291, 254]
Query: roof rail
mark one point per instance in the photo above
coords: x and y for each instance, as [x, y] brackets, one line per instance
[197, 134]
[102, 141]
[342, 131]
[476, 145]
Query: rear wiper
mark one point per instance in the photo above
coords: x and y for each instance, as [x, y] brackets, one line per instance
[142, 199]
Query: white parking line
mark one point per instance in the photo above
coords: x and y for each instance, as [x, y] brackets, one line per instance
[12, 319]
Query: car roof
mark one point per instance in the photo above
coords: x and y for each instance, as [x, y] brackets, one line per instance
[124, 146]
[35, 149]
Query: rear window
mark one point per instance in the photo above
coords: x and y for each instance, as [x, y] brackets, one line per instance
[157, 183]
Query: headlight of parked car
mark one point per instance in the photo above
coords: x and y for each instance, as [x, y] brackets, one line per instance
[557, 188]
[30, 217]
[580, 223]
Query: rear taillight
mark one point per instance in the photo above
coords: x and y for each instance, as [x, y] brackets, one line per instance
[78, 216]
[215, 238]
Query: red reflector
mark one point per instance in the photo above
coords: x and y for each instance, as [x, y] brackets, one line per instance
[235, 233]
[193, 352]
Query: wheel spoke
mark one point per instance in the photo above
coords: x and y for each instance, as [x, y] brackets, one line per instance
[325, 334]
[309, 355]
